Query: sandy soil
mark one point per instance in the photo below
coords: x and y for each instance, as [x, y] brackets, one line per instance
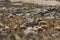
[39, 2]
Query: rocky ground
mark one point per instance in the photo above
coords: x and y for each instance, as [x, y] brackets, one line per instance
[29, 22]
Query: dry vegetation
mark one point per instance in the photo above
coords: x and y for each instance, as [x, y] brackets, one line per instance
[24, 23]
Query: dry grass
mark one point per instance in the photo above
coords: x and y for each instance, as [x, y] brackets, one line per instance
[13, 29]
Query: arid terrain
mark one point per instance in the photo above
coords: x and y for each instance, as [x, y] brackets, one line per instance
[28, 21]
